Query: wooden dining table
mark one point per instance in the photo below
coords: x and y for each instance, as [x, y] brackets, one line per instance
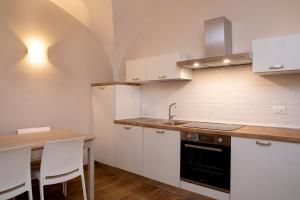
[38, 140]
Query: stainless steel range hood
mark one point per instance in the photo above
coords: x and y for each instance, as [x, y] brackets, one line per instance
[218, 47]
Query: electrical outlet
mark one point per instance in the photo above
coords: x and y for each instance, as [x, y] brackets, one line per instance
[280, 110]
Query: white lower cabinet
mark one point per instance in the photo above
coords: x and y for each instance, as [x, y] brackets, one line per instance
[264, 170]
[162, 155]
[129, 148]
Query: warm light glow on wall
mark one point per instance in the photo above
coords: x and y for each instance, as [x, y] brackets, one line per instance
[36, 52]
[226, 61]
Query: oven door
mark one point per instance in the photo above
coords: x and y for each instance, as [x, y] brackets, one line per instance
[206, 164]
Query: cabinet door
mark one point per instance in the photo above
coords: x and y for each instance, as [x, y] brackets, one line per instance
[264, 170]
[129, 148]
[277, 55]
[136, 70]
[163, 67]
[162, 155]
[103, 109]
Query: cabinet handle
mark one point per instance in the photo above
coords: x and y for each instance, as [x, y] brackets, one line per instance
[135, 79]
[101, 88]
[276, 67]
[127, 127]
[162, 77]
[203, 148]
[160, 132]
[266, 144]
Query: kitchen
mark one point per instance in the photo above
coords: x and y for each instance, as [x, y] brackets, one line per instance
[252, 111]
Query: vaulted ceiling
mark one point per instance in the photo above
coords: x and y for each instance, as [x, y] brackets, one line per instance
[114, 22]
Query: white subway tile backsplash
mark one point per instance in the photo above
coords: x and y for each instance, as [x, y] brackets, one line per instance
[230, 95]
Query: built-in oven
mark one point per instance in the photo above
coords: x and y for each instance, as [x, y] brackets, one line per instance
[205, 160]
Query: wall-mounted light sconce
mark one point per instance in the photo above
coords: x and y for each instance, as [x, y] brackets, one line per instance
[226, 61]
[36, 52]
[196, 64]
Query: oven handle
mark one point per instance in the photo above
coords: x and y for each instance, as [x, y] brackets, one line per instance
[202, 147]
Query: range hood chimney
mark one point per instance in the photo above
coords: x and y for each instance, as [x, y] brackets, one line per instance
[218, 37]
[218, 47]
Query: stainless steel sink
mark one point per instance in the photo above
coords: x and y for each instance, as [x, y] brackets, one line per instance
[175, 123]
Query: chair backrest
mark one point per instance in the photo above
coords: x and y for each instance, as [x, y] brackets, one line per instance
[14, 167]
[62, 157]
[33, 130]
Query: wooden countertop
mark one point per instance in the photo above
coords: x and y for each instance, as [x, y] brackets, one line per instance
[256, 132]
[115, 83]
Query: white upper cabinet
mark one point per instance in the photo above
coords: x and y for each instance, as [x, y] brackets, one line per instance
[165, 68]
[136, 70]
[264, 170]
[159, 68]
[277, 54]
[162, 155]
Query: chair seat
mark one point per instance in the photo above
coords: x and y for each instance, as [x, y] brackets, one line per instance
[17, 190]
[36, 174]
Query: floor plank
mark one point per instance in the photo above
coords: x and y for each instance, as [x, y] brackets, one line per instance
[115, 184]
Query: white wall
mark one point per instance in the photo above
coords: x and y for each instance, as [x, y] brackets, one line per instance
[57, 93]
[230, 95]
[235, 94]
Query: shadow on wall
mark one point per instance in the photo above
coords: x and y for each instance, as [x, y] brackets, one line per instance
[288, 81]
[14, 50]
[57, 93]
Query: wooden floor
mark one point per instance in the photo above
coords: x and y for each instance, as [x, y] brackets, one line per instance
[115, 184]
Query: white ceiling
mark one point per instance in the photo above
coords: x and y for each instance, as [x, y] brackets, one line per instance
[114, 22]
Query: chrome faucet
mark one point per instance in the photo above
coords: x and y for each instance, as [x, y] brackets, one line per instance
[171, 117]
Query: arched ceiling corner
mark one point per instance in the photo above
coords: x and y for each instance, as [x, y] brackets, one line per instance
[78, 9]
[115, 23]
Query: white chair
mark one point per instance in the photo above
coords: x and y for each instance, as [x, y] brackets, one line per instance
[33, 130]
[61, 161]
[37, 162]
[15, 177]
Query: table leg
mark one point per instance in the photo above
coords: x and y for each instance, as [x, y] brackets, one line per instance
[91, 178]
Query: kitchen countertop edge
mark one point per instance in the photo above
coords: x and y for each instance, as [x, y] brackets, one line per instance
[254, 132]
[115, 83]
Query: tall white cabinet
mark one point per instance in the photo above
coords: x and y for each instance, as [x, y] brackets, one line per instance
[111, 102]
